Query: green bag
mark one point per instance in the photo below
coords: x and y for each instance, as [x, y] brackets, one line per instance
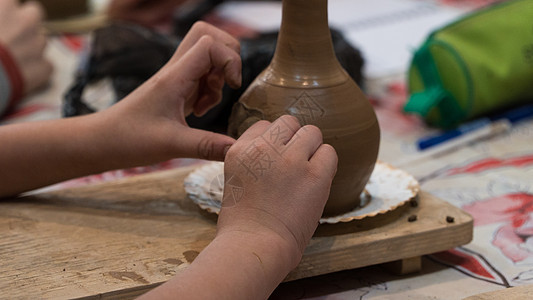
[476, 65]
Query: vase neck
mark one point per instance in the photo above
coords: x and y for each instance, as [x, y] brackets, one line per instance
[304, 53]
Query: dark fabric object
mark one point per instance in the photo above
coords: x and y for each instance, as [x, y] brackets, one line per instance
[130, 54]
[187, 15]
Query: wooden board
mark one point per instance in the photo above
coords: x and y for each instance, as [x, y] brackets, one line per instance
[123, 238]
[514, 293]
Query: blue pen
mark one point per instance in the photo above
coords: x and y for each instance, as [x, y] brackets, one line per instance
[433, 140]
[513, 116]
[517, 114]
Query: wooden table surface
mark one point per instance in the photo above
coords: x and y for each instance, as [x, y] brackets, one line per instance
[122, 238]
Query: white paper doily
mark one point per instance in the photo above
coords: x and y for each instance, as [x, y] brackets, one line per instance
[387, 189]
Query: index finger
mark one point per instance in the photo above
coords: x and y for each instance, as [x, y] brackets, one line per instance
[205, 55]
[200, 29]
[256, 130]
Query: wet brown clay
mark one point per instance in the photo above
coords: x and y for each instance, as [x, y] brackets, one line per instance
[306, 80]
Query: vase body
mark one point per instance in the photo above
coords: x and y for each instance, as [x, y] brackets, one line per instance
[306, 80]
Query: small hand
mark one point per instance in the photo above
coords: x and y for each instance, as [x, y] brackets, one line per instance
[277, 180]
[24, 37]
[191, 82]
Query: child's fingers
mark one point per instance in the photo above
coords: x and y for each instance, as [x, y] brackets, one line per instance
[282, 131]
[256, 130]
[205, 55]
[306, 141]
[31, 12]
[7, 5]
[210, 92]
[38, 75]
[200, 29]
[196, 143]
[277, 134]
[325, 158]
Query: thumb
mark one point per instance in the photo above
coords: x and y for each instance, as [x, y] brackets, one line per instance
[196, 143]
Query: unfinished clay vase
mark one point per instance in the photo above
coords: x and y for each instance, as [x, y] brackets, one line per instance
[306, 80]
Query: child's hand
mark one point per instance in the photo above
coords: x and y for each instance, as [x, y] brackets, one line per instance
[151, 120]
[22, 34]
[277, 181]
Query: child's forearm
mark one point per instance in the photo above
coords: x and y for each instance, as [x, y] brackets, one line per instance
[40, 153]
[146, 127]
[235, 265]
[37, 154]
